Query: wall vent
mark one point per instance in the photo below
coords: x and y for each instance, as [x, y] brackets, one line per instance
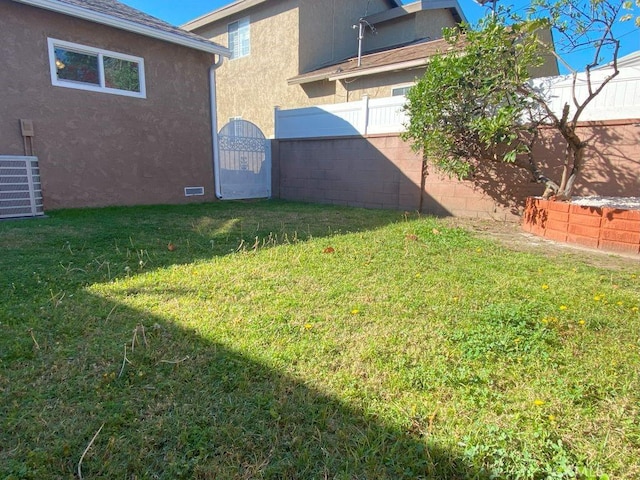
[193, 191]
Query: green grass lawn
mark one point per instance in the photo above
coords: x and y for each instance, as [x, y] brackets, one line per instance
[291, 341]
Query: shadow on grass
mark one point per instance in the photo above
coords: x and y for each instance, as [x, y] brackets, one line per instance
[108, 243]
[182, 406]
[173, 403]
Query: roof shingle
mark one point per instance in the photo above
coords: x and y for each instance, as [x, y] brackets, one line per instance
[398, 58]
[124, 15]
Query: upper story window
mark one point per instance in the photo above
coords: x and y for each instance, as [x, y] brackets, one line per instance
[88, 68]
[400, 90]
[239, 40]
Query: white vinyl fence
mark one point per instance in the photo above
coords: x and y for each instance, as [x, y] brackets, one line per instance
[20, 189]
[364, 117]
[620, 100]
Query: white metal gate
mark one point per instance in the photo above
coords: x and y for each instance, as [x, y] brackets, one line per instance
[20, 189]
[244, 164]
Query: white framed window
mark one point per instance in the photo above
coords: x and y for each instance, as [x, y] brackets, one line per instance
[88, 68]
[238, 38]
[237, 125]
[401, 90]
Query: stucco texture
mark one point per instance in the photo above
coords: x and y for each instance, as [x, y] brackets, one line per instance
[290, 37]
[251, 86]
[99, 149]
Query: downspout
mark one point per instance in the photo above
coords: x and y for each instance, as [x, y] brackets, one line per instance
[214, 125]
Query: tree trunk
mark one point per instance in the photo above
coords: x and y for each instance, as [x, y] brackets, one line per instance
[576, 152]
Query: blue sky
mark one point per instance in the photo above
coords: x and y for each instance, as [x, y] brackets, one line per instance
[178, 12]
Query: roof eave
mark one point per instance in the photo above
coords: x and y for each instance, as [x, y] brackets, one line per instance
[127, 25]
[308, 79]
[452, 5]
[408, 65]
[360, 72]
[221, 13]
[237, 7]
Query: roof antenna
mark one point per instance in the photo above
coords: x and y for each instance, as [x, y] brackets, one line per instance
[361, 26]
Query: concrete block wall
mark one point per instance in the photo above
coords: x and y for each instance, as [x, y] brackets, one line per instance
[381, 171]
[372, 172]
[497, 192]
[612, 166]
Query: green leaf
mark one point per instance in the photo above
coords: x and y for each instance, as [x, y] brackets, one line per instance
[510, 156]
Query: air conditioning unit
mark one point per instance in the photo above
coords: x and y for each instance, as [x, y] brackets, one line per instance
[20, 188]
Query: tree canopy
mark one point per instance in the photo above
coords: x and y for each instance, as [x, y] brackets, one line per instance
[476, 102]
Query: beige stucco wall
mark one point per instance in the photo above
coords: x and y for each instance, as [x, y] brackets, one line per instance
[98, 149]
[422, 24]
[289, 37]
[326, 30]
[251, 86]
[377, 86]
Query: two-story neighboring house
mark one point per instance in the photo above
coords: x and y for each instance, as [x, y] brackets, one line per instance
[297, 53]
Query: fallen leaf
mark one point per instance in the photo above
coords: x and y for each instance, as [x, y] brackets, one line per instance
[329, 250]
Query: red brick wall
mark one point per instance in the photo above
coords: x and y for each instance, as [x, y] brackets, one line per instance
[604, 228]
[382, 172]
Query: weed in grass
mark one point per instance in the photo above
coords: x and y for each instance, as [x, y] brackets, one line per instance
[508, 454]
[505, 331]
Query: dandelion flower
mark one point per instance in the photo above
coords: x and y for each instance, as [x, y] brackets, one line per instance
[563, 307]
[597, 298]
[634, 309]
[545, 287]
[581, 322]
[355, 311]
[307, 326]
[538, 403]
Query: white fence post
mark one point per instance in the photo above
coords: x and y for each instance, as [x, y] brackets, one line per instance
[276, 121]
[365, 115]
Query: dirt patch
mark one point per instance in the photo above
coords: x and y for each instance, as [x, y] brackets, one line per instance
[512, 236]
